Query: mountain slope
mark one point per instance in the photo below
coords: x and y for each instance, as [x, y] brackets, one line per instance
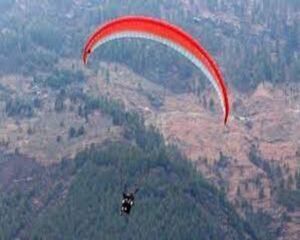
[45, 102]
[80, 198]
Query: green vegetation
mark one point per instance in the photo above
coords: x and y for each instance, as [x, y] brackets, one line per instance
[80, 199]
[46, 35]
[285, 190]
[173, 202]
[273, 170]
[260, 221]
[73, 132]
[263, 48]
[19, 108]
[290, 198]
[59, 79]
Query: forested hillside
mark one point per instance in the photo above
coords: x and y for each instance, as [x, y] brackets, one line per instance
[262, 35]
[68, 145]
[81, 198]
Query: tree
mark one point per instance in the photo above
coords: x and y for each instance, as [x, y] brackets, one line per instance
[261, 193]
[211, 105]
[81, 131]
[59, 104]
[72, 132]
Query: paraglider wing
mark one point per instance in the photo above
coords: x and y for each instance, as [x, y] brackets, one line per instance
[165, 33]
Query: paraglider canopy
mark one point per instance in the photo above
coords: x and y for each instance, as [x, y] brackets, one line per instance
[165, 33]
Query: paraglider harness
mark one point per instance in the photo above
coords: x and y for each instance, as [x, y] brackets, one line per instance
[128, 201]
